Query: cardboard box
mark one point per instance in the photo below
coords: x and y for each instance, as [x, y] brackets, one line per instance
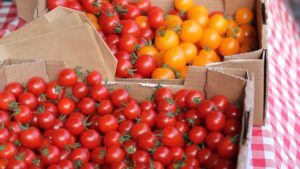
[237, 85]
[255, 62]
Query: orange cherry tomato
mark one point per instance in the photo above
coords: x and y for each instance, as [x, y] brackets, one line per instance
[190, 51]
[158, 58]
[232, 24]
[251, 42]
[183, 5]
[173, 21]
[211, 39]
[163, 73]
[200, 18]
[183, 72]
[244, 16]
[249, 31]
[147, 50]
[218, 22]
[236, 33]
[191, 31]
[229, 46]
[166, 38]
[205, 57]
[142, 21]
[245, 48]
[174, 58]
[197, 9]
[94, 20]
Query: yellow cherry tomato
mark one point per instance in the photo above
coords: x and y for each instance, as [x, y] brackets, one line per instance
[163, 73]
[166, 38]
[197, 9]
[205, 57]
[251, 42]
[190, 51]
[191, 31]
[172, 21]
[229, 46]
[218, 22]
[94, 20]
[174, 58]
[211, 39]
[232, 24]
[147, 50]
[236, 33]
[158, 58]
[201, 18]
[244, 16]
[183, 72]
[183, 5]
[142, 21]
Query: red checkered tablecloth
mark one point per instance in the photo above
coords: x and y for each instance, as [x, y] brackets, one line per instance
[276, 145]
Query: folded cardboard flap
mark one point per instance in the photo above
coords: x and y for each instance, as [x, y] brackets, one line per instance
[26, 9]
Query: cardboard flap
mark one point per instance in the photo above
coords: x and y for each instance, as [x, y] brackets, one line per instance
[231, 6]
[232, 88]
[245, 56]
[26, 9]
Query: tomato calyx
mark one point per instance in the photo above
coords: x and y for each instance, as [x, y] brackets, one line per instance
[78, 164]
[179, 164]
[36, 161]
[125, 137]
[120, 10]
[69, 148]
[131, 149]
[102, 154]
[235, 139]
[161, 32]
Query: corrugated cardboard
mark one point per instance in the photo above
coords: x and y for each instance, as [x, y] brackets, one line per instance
[239, 88]
[257, 67]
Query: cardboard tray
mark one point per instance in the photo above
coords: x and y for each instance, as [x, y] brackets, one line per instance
[237, 85]
[255, 62]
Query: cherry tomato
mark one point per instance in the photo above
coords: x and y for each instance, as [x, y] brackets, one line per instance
[220, 101]
[114, 155]
[229, 46]
[98, 155]
[67, 77]
[124, 68]
[28, 155]
[94, 78]
[171, 137]
[31, 138]
[143, 5]
[108, 123]
[55, 3]
[80, 154]
[244, 16]
[130, 147]
[203, 156]
[165, 119]
[163, 155]
[8, 150]
[6, 98]
[227, 148]
[213, 139]
[163, 73]
[80, 90]
[54, 91]
[131, 111]
[194, 98]
[119, 97]
[46, 120]
[215, 121]
[145, 65]
[92, 6]
[105, 107]
[147, 33]
[75, 125]
[211, 39]
[50, 155]
[16, 162]
[61, 138]
[122, 55]
[90, 139]
[99, 92]
[148, 117]
[191, 31]
[167, 105]
[183, 5]
[128, 43]
[15, 88]
[87, 105]
[205, 107]
[165, 39]
[232, 127]
[192, 118]
[139, 129]
[191, 150]
[4, 118]
[125, 126]
[156, 17]
[75, 5]
[140, 157]
[36, 85]
[113, 138]
[182, 126]
[177, 153]
[66, 106]
[218, 22]
[28, 99]
[108, 22]
[197, 134]
[146, 141]
[131, 12]
[233, 112]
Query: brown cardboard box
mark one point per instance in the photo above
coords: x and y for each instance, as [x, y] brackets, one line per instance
[255, 62]
[237, 85]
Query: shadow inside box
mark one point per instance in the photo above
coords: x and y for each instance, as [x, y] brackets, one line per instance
[295, 6]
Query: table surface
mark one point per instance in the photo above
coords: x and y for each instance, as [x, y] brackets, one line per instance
[275, 145]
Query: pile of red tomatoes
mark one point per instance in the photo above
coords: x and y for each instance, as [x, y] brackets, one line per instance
[78, 122]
